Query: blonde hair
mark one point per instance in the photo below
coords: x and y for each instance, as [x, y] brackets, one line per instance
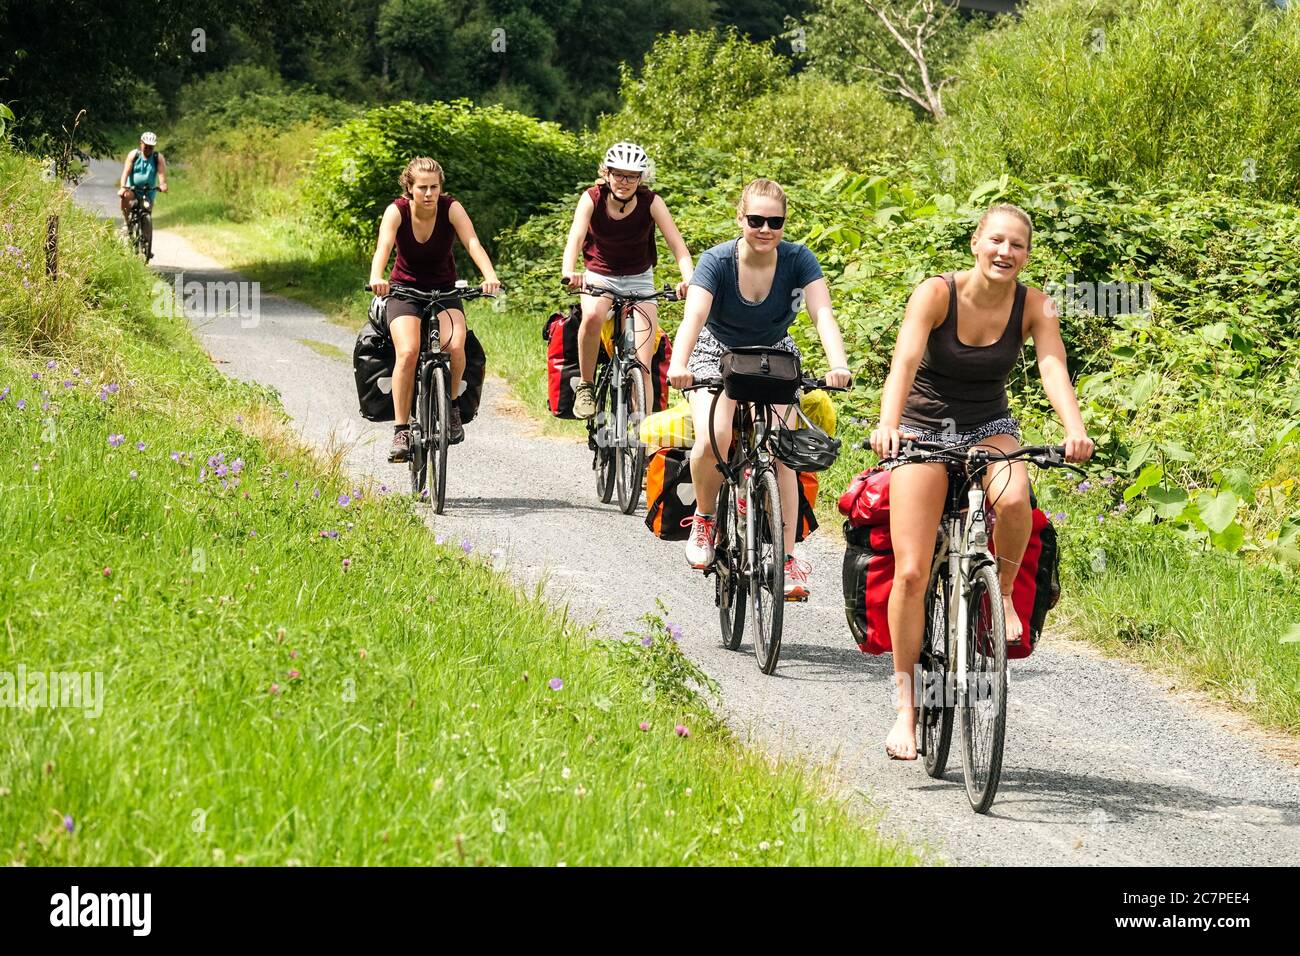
[766, 188]
[421, 164]
[1011, 210]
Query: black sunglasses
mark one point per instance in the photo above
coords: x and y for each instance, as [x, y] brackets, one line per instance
[773, 222]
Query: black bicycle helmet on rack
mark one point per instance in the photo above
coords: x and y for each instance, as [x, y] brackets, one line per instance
[807, 448]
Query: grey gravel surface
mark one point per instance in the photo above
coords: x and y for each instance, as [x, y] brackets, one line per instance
[1103, 765]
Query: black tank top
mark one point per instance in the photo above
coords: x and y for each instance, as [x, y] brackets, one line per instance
[964, 386]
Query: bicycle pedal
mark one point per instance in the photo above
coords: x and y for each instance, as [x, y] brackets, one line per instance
[796, 599]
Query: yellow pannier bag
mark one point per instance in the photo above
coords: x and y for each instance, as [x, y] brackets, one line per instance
[607, 336]
[671, 428]
[819, 408]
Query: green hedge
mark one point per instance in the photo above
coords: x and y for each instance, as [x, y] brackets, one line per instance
[502, 165]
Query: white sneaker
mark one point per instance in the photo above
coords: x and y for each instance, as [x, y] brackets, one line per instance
[699, 547]
[584, 400]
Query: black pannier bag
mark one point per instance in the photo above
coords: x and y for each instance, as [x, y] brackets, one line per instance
[373, 358]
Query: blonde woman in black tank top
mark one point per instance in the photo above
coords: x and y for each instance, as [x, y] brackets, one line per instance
[961, 335]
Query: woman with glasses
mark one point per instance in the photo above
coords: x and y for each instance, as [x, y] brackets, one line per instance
[614, 225]
[748, 291]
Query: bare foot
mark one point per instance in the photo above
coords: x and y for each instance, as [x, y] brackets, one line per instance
[901, 742]
[1014, 629]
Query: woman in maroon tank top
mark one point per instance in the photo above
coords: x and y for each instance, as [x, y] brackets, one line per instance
[423, 224]
[947, 383]
[614, 226]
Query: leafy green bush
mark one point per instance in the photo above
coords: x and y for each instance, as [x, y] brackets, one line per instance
[504, 166]
[689, 87]
[1188, 92]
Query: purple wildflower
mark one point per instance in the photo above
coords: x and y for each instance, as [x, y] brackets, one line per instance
[50, 364]
[116, 440]
[316, 493]
[221, 471]
[139, 446]
[1121, 507]
[68, 383]
[440, 539]
[239, 419]
[356, 494]
[68, 823]
[344, 501]
[103, 395]
[76, 371]
[252, 534]
[112, 388]
[45, 406]
[1085, 486]
[176, 456]
[555, 683]
[1108, 480]
[225, 486]
[22, 404]
[36, 376]
[674, 631]
[4, 394]
[237, 466]
[466, 546]
[383, 489]
[647, 641]
[203, 474]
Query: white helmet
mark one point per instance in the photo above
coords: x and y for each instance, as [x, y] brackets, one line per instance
[149, 139]
[628, 156]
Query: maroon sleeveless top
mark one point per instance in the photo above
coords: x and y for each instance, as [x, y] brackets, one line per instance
[425, 265]
[620, 247]
[965, 385]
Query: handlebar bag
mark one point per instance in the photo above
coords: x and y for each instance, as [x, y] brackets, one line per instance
[757, 374]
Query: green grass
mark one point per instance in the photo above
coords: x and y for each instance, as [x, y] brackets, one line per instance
[1207, 618]
[326, 349]
[294, 676]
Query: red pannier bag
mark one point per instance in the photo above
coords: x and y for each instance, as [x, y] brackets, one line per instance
[560, 332]
[866, 500]
[868, 572]
[659, 372]
[868, 579]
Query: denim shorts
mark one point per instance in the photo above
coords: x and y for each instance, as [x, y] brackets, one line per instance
[1004, 425]
[642, 282]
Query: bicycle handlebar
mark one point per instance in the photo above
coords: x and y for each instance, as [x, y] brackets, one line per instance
[419, 295]
[667, 293]
[1044, 456]
[808, 384]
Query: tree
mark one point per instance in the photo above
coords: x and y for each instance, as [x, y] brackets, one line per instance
[908, 47]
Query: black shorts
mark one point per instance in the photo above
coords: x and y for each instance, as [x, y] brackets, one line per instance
[398, 306]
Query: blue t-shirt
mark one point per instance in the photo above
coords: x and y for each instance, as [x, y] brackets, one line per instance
[735, 321]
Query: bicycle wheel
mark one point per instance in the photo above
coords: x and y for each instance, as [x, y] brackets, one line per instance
[419, 460]
[627, 432]
[936, 703]
[599, 429]
[146, 237]
[767, 570]
[731, 585]
[983, 703]
[438, 438]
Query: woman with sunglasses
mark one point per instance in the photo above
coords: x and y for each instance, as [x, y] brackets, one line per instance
[614, 225]
[948, 383]
[748, 291]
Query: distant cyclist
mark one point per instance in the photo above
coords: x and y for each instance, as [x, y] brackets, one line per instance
[423, 223]
[748, 291]
[143, 174]
[614, 226]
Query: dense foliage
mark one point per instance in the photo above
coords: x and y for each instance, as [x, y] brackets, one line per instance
[1193, 92]
[502, 165]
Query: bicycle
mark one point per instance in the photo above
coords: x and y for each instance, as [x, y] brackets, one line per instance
[139, 226]
[974, 678]
[749, 564]
[431, 399]
[619, 458]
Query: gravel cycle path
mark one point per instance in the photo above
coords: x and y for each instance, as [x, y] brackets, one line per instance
[1104, 764]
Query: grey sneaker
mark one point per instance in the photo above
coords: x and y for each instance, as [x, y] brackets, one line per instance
[584, 400]
[401, 450]
[455, 428]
